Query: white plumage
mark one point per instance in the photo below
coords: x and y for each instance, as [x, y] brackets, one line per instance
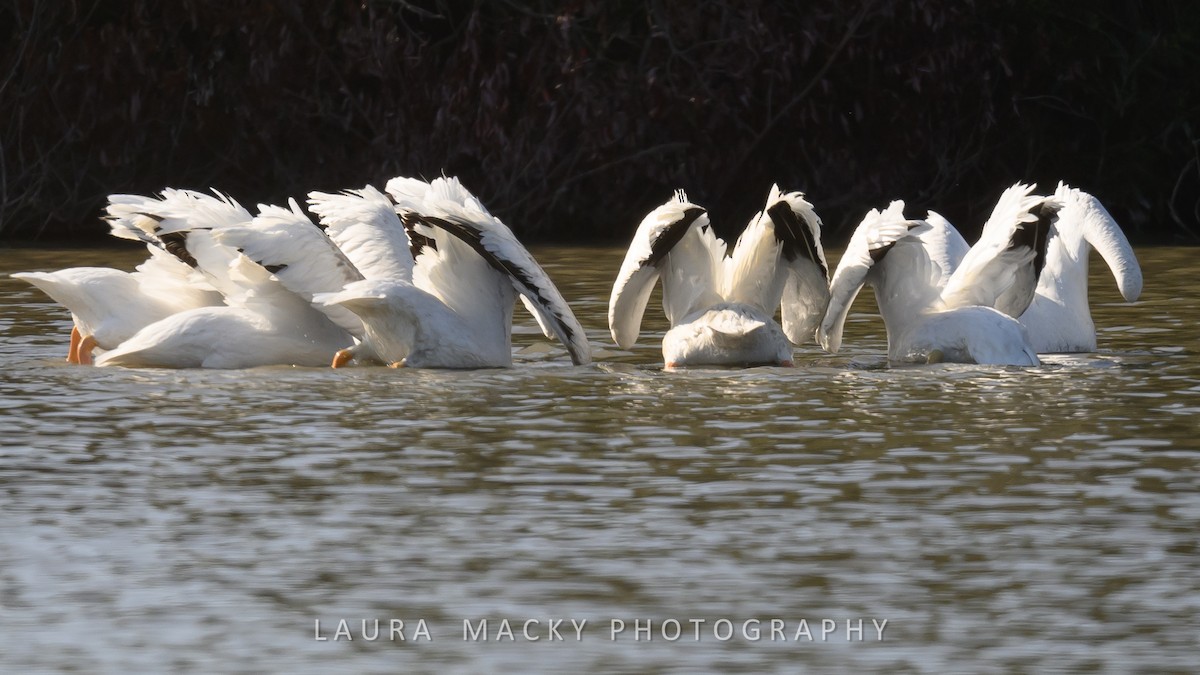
[453, 307]
[1001, 270]
[425, 276]
[109, 306]
[938, 300]
[1059, 319]
[721, 307]
[224, 289]
[364, 226]
[263, 321]
[297, 253]
[265, 324]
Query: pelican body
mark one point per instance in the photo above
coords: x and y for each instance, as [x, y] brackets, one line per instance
[1059, 318]
[441, 295]
[721, 301]
[940, 300]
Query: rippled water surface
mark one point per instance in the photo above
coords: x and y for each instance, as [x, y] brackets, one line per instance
[999, 519]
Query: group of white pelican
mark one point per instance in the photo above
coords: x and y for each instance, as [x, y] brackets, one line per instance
[422, 275]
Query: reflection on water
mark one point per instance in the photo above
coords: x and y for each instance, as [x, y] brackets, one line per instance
[1034, 519]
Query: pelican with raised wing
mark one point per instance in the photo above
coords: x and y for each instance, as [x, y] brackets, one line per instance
[108, 306]
[268, 317]
[941, 301]
[1059, 318]
[721, 301]
[451, 305]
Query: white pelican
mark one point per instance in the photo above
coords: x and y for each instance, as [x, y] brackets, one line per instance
[450, 305]
[264, 322]
[109, 306]
[364, 226]
[1058, 319]
[720, 303]
[937, 298]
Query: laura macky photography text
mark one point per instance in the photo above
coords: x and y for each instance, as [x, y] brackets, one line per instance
[577, 630]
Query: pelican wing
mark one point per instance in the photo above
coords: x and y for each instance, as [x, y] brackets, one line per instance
[753, 273]
[877, 234]
[655, 240]
[164, 277]
[946, 246]
[132, 225]
[1001, 270]
[1081, 209]
[448, 207]
[546, 328]
[285, 243]
[806, 287]
[183, 222]
[778, 262]
[364, 225]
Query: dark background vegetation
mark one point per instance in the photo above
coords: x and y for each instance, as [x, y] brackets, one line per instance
[572, 119]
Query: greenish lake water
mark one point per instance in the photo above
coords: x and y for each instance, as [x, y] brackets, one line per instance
[999, 520]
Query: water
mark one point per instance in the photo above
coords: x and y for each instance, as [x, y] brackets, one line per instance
[998, 519]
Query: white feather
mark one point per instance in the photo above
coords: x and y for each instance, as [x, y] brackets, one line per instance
[452, 307]
[909, 271]
[1059, 319]
[721, 307]
[877, 231]
[297, 253]
[364, 225]
[993, 273]
[266, 324]
[638, 274]
[193, 215]
[411, 326]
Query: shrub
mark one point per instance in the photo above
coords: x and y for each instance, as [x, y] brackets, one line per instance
[572, 119]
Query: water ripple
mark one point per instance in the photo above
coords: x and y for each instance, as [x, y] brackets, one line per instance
[1039, 519]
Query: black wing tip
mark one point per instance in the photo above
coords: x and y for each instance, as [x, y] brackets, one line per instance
[473, 238]
[879, 252]
[1036, 235]
[417, 242]
[175, 243]
[792, 230]
[566, 333]
[672, 234]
